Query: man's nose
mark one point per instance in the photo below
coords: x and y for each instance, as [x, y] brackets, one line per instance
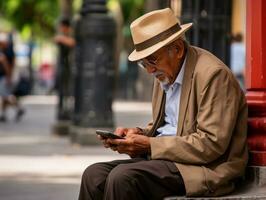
[151, 69]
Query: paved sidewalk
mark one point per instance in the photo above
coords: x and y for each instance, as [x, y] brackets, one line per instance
[35, 165]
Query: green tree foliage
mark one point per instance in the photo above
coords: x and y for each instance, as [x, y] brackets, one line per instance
[31, 16]
[131, 9]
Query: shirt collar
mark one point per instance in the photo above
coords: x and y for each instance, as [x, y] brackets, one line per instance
[179, 78]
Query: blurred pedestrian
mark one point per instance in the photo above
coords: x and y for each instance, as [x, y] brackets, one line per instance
[7, 61]
[64, 73]
[5, 76]
[238, 54]
[64, 36]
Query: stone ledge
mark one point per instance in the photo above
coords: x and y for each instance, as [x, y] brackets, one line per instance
[253, 188]
[220, 198]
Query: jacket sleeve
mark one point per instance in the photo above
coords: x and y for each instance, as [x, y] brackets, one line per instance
[218, 109]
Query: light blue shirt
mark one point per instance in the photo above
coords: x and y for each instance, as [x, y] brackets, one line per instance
[238, 54]
[173, 93]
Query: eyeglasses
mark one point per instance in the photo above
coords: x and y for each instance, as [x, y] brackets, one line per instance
[153, 60]
[150, 61]
[141, 64]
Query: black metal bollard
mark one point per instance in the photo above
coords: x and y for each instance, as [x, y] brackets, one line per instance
[94, 81]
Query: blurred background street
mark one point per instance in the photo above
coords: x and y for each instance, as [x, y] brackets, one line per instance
[38, 165]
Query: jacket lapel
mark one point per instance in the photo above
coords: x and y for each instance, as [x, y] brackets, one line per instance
[186, 86]
[159, 96]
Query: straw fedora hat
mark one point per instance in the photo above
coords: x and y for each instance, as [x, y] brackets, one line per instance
[154, 30]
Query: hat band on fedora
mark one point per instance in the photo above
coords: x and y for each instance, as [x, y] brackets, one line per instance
[158, 38]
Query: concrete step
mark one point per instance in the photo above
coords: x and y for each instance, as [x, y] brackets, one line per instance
[253, 188]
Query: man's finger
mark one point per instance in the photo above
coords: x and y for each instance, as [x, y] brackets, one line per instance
[113, 147]
[121, 150]
[118, 142]
[106, 145]
[121, 131]
[100, 137]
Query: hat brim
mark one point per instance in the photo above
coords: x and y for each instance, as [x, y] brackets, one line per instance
[137, 55]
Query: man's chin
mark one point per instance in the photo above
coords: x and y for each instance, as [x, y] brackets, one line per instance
[164, 82]
[162, 79]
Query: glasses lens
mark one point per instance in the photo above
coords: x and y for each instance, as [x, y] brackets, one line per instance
[151, 61]
[141, 64]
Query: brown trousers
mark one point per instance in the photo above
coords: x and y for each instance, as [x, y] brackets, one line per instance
[135, 178]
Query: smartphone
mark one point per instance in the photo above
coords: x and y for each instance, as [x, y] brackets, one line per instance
[108, 134]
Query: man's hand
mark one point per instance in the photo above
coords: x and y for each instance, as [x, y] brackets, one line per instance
[121, 132]
[134, 145]
[124, 131]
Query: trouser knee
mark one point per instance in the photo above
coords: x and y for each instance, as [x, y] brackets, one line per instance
[92, 177]
[93, 181]
[121, 176]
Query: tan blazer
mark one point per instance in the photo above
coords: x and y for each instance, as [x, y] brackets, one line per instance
[210, 148]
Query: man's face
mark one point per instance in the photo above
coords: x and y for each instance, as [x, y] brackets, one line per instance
[164, 64]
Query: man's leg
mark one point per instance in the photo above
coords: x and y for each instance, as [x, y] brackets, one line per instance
[153, 179]
[94, 178]
[4, 106]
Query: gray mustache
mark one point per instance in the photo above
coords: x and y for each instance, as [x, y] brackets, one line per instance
[157, 73]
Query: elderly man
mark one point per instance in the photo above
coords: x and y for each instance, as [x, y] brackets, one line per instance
[196, 143]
